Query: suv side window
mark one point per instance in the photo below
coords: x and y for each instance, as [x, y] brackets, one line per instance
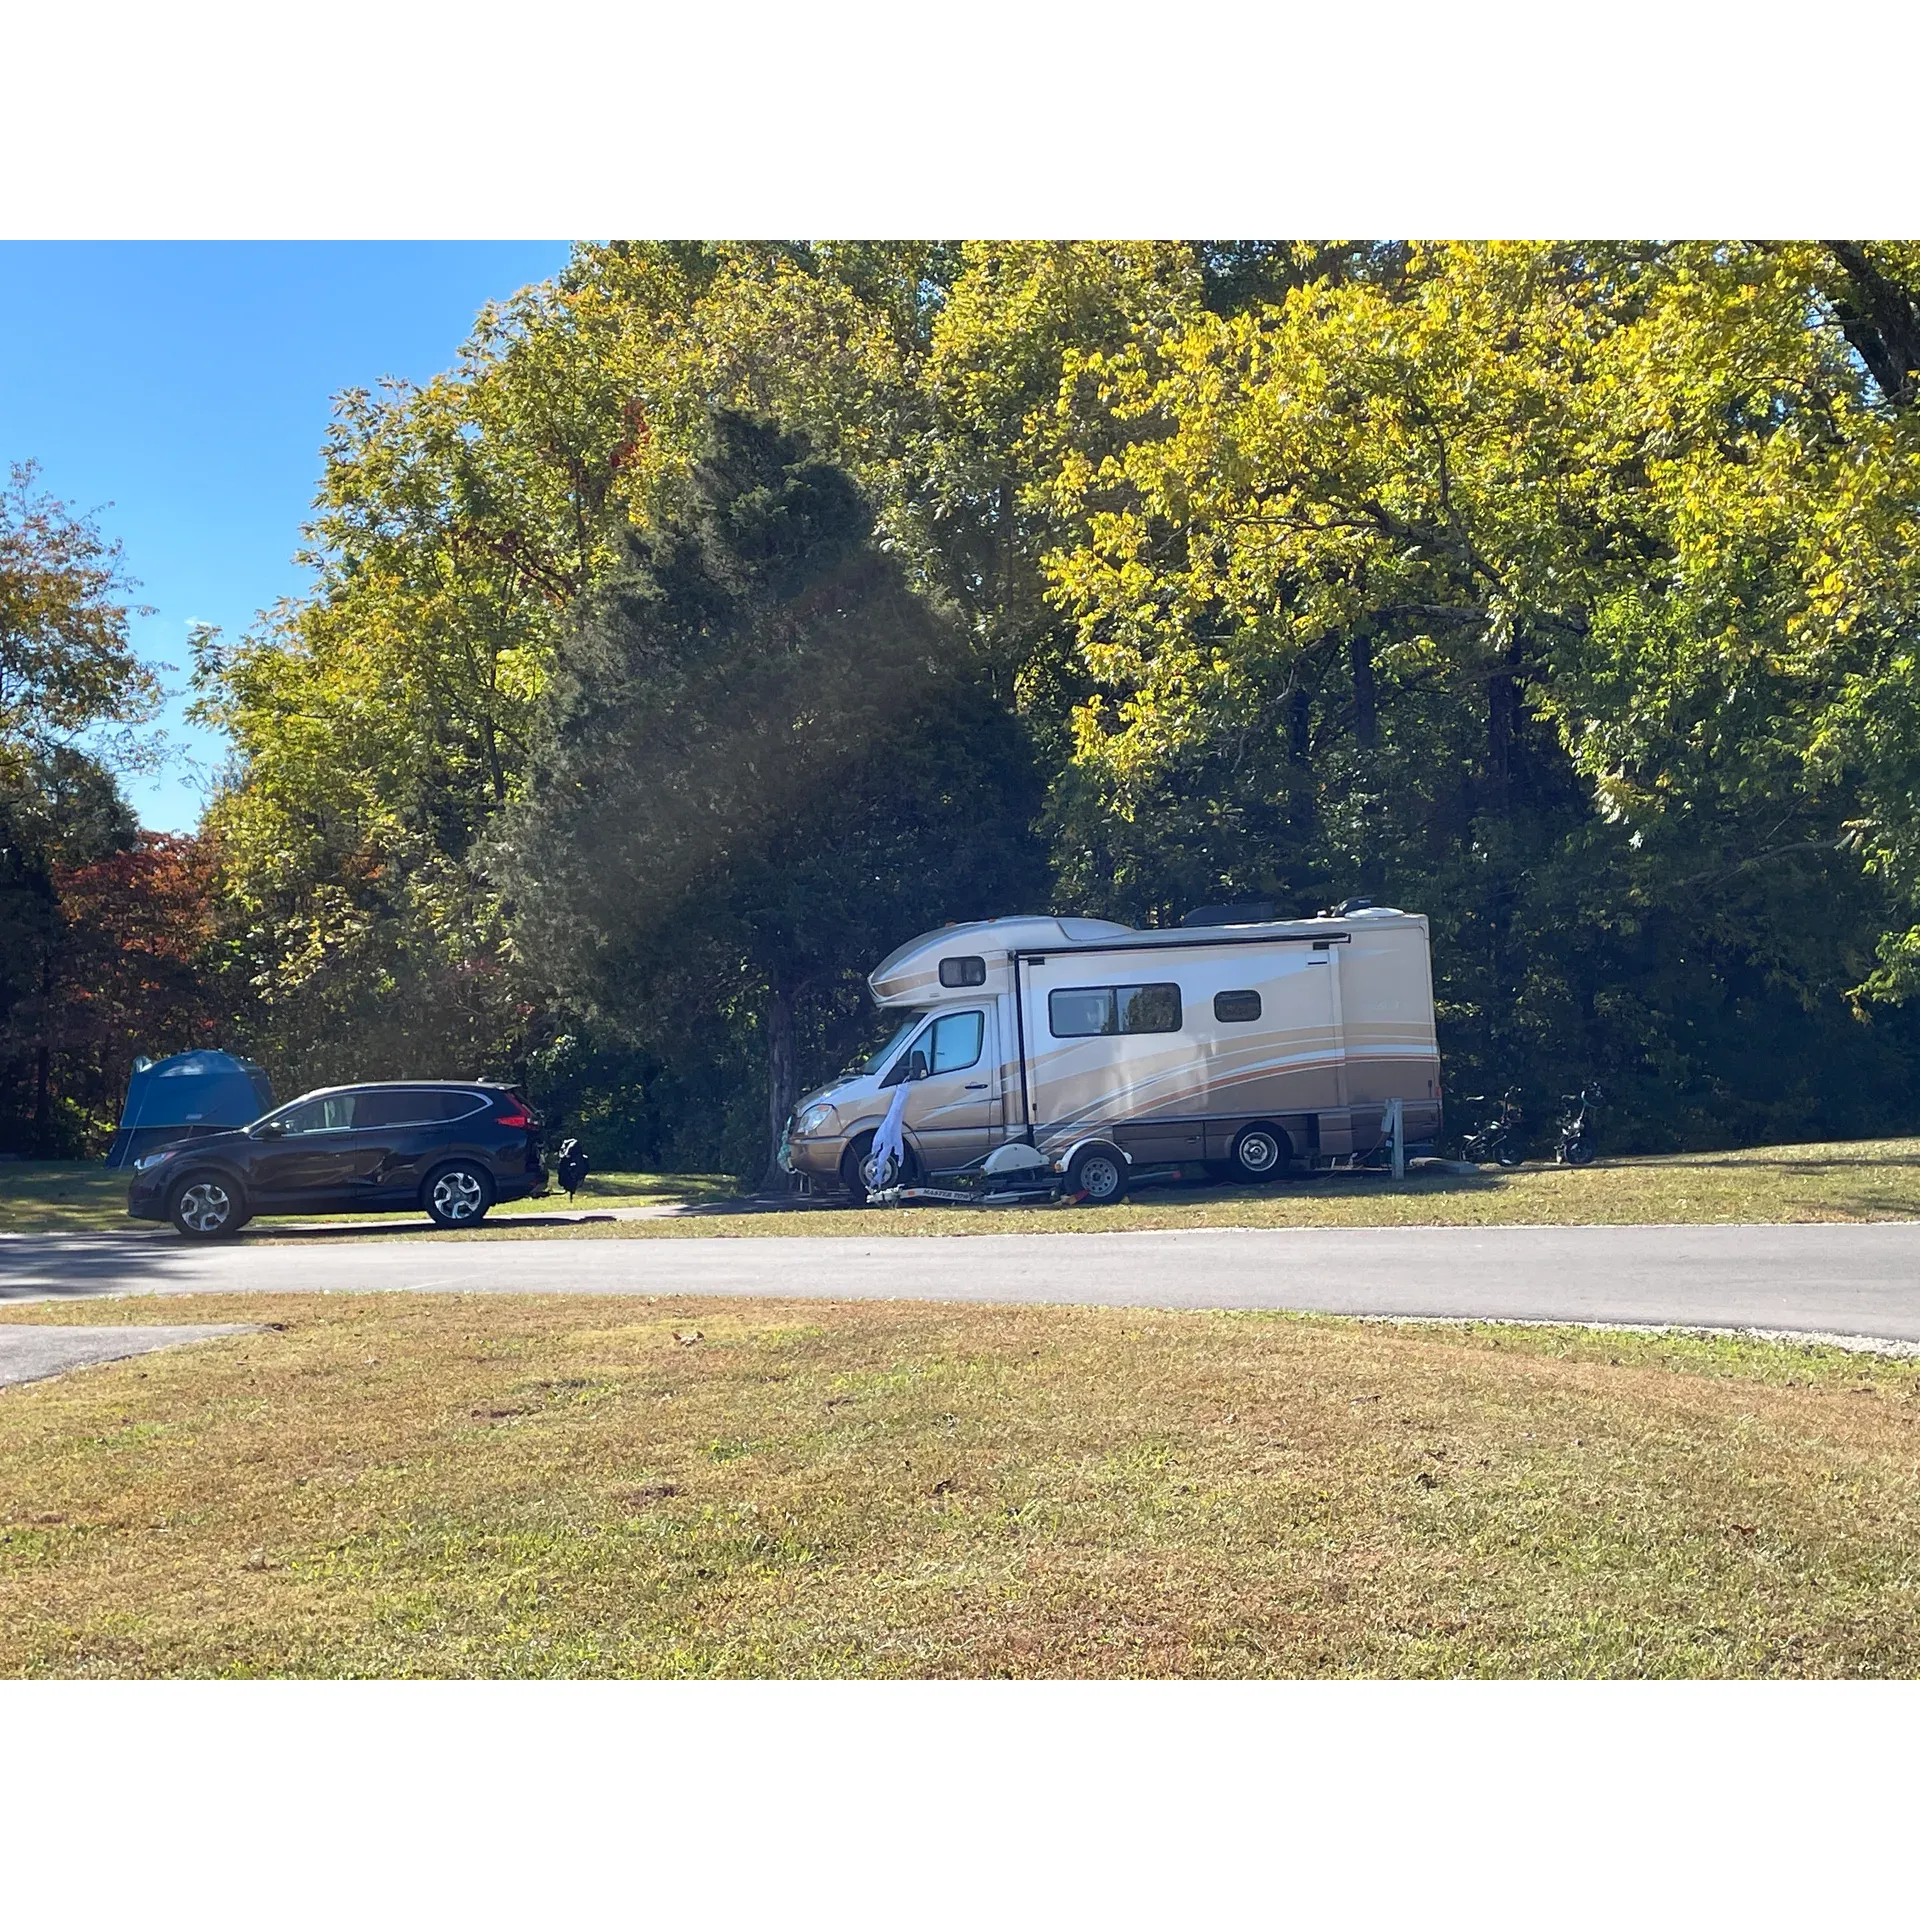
[420, 1106]
[332, 1114]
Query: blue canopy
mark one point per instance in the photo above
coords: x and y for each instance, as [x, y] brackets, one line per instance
[188, 1094]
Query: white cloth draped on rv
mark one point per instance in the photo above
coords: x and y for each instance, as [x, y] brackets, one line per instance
[889, 1153]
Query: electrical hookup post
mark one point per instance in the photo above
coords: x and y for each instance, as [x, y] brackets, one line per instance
[1397, 1133]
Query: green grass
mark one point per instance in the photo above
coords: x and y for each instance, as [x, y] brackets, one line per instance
[79, 1196]
[1849, 1181]
[61, 1196]
[499, 1486]
[1835, 1181]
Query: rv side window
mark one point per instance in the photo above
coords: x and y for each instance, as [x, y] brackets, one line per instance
[1076, 1011]
[1228, 1007]
[969, 970]
[1154, 1009]
[955, 1042]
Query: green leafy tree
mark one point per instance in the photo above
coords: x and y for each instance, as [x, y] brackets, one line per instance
[70, 687]
[1511, 582]
[66, 662]
[764, 764]
[1561, 590]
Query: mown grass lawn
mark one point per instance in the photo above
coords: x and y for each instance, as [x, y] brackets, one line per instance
[402, 1485]
[81, 1196]
[1850, 1180]
[1835, 1181]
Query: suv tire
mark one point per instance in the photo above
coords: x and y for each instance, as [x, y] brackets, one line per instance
[457, 1194]
[207, 1206]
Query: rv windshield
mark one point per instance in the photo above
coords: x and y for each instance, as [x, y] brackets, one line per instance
[877, 1061]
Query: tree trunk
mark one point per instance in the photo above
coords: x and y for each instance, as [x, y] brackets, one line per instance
[43, 1054]
[783, 1087]
[43, 1102]
[1366, 712]
[1881, 320]
[1502, 705]
[1302, 809]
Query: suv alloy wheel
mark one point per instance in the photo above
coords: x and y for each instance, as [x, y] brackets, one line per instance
[458, 1195]
[205, 1206]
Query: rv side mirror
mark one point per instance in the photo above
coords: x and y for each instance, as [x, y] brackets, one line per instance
[916, 1066]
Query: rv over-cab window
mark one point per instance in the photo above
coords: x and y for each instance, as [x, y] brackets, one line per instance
[969, 970]
[1237, 1005]
[1076, 1011]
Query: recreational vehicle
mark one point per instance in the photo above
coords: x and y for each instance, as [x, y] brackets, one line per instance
[1254, 1049]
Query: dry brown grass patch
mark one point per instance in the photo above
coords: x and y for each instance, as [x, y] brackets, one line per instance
[567, 1485]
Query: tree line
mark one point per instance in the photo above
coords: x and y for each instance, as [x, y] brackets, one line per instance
[728, 613]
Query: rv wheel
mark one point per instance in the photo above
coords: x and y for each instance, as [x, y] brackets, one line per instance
[1098, 1174]
[1259, 1153]
[853, 1169]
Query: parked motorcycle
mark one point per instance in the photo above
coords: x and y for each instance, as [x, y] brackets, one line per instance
[1576, 1127]
[1497, 1137]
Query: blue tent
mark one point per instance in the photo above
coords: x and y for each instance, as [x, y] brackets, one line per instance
[188, 1094]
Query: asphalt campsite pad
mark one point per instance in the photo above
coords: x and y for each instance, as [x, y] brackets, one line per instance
[407, 1484]
[39, 1353]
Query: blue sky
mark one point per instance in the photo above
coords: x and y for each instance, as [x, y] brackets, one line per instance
[189, 386]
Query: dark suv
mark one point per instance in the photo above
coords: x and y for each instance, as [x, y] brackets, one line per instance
[453, 1147]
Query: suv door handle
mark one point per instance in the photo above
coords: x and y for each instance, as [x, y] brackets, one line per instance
[976, 1086]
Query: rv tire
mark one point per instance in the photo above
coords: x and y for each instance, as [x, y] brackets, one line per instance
[1098, 1175]
[853, 1168]
[1259, 1153]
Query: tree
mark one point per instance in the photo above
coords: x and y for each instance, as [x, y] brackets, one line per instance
[1563, 591]
[67, 668]
[66, 663]
[765, 763]
[381, 722]
[1558, 589]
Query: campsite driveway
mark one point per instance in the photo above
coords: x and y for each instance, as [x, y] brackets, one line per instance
[1848, 1280]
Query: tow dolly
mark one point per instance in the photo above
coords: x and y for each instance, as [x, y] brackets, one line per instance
[1010, 1176]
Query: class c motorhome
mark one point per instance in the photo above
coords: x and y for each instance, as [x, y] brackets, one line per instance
[1254, 1049]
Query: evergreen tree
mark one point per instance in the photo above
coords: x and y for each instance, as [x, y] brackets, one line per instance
[765, 762]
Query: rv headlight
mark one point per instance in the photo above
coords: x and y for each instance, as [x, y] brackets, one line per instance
[147, 1160]
[815, 1117]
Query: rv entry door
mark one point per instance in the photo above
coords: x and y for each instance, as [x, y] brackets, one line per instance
[1306, 992]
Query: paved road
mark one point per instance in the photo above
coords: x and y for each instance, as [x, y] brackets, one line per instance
[38, 1353]
[1857, 1280]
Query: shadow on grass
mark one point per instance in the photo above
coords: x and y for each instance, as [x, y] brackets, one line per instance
[1740, 1160]
[1873, 1206]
